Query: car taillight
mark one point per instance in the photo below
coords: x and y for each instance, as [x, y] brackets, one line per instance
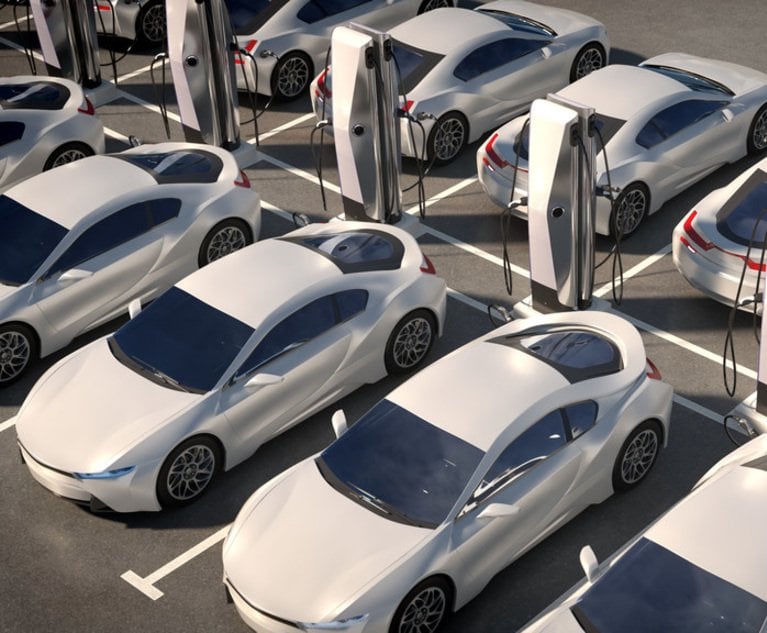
[244, 181]
[86, 107]
[322, 84]
[652, 371]
[248, 47]
[104, 7]
[427, 267]
[492, 154]
[696, 237]
[408, 105]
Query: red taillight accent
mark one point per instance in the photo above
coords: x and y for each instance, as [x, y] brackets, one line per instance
[492, 154]
[244, 181]
[104, 7]
[408, 104]
[694, 235]
[322, 84]
[652, 371]
[427, 267]
[248, 47]
[698, 241]
[86, 107]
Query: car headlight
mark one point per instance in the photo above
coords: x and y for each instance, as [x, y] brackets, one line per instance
[347, 624]
[107, 474]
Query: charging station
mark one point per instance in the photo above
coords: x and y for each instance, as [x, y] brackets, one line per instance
[200, 51]
[561, 203]
[366, 124]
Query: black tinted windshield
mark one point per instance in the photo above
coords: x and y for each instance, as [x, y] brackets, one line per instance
[180, 341]
[606, 128]
[519, 23]
[175, 167]
[356, 251]
[691, 80]
[651, 589]
[247, 16]
[737, 218]
[413, 64]
[395, 463]
[26, 240]
[35, 95]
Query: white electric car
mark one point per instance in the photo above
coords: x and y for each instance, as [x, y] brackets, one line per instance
[701, 567]
[724, 233]
[287, 40]
[80, 242]
[139, 20]
[44, 122]
[451, 477]
[229, 357]
[665, 124]
[465, 72]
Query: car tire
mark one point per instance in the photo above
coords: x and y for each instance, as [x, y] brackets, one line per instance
[447, 138]
[424, 608]
[757, 132]
[410, 342]
[18, 347]
[224, 238]
[67, 153]
[637, 455]
[151, 24]
[629, 210]
[428, 5]
[590, 58]
[291, 76]
[188, 471]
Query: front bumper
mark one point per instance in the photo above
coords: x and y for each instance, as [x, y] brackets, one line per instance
[256, 619]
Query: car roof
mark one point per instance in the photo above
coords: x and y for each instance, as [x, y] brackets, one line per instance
[251, 283]
[505, 381]
[622, 91]
[727, 515]
[445, 30]
[71, 192]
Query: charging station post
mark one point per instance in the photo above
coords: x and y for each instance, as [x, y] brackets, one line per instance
[561, 203]
[366, 124]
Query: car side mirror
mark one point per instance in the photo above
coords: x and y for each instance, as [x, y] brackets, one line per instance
[73, 275]
[339, 423]
[498, 510]
[727, 115]
[263, 380]
[589, 562]
[134, 307]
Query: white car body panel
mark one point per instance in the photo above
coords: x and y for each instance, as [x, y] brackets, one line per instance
[132, 421]
[45, 131]
[634, 95]
[495, 96]
[298, 526]
[60, 306]
[692, 530]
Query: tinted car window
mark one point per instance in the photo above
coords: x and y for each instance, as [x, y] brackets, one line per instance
[413, 64]
[606, 126]
[674, 119]
[520, 23]
[118, 228]
[399, 465]
[356, 251]
[316, 10]
[35, 95]
[738, 216]
[652, 588]
[177, 167]
[180, 341]
[10, 131]
[535, 444]
[692, 81]
[163, 209]
[301, 326]
[493, 55]
[26, 240]
[580, 417]
[350, 302]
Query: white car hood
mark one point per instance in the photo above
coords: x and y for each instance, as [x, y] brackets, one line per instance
[305, 549]
[88, 409]
[7, 291]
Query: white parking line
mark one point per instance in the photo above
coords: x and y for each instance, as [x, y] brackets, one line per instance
[7, 424]
[634, 270]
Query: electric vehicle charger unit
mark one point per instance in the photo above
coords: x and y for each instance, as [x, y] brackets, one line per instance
[366, 127]
[201, 50]
[561, 204]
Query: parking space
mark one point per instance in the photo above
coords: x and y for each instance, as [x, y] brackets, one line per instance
[63, 569]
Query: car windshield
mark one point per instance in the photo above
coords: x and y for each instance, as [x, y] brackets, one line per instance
[739, 215]
[413, 64]
[400, 466]
[180, 342]
[519, 23]
[694, 82]
[356, 251]
[247, 16]
[653, 589]
[606, 127]
[26, 241]
[36, 95]
[177, 167]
